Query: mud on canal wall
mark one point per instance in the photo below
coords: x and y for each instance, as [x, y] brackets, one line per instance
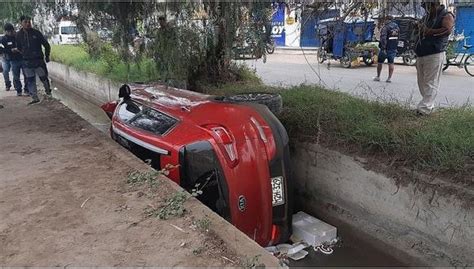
[419, 219]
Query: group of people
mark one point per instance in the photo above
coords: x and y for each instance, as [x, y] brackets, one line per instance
[430, 52]
[23, 54]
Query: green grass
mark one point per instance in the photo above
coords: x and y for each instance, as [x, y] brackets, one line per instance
[443, 141]
[111, 67]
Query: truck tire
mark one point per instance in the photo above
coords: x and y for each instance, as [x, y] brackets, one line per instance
[272, 100]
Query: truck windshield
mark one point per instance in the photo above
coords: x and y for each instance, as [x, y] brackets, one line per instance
[69, 30]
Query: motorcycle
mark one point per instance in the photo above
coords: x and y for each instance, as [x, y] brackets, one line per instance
[270, 46]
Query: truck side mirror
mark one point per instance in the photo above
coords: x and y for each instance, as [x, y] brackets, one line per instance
[124, 92]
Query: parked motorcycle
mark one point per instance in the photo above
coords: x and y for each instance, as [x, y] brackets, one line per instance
[270, 46]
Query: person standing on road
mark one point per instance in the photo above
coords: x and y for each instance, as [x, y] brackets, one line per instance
[431, 53]
[388, 48]
[30, 42]
[12, 59]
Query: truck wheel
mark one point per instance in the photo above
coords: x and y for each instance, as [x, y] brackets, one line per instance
[272, 100]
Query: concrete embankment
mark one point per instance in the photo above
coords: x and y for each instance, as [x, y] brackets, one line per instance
[92, 87]
[419, 218]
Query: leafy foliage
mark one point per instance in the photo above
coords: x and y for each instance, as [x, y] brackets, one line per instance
[202, 224]
[195, 45]
[139, 177]
[174, 206]
[10, 11]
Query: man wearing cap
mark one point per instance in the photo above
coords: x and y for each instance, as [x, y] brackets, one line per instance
[12, 59]
[30, 42]
[436, 27]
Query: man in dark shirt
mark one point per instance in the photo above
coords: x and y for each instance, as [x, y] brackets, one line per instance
[30, 42]
[388, 48]
[12, 60]
[436, 27]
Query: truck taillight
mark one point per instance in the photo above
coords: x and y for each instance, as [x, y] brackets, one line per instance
[226, 141]
[260, 129]
[275, 235]
[223, 135]
[265, 134]
[229, 148]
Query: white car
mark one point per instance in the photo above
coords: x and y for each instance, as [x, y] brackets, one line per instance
[66, 33]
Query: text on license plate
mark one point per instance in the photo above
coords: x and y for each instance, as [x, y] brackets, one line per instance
[277, 191]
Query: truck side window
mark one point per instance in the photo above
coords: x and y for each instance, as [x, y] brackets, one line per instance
[145, 118]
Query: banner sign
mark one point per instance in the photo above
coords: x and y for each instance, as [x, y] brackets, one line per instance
[278, 24]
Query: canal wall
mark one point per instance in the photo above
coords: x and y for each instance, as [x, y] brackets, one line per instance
[94, 88]
[426, 219]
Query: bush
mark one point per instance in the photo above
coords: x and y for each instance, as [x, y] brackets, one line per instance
[109, 56]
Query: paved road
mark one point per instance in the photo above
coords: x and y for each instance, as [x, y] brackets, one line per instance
[457, 87]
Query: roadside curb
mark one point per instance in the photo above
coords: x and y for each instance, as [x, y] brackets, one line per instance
[296, 50]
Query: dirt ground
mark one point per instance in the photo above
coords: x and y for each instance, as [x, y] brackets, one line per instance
[64, 199]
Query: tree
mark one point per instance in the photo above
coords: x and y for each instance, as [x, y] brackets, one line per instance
[11, 11]
[197, 46]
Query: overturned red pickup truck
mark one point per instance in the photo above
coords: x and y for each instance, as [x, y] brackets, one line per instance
[235, 150]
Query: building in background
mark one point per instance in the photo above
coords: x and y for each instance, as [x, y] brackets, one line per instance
[296, 25]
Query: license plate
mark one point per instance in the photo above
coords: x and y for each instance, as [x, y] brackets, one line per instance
[277, 191]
